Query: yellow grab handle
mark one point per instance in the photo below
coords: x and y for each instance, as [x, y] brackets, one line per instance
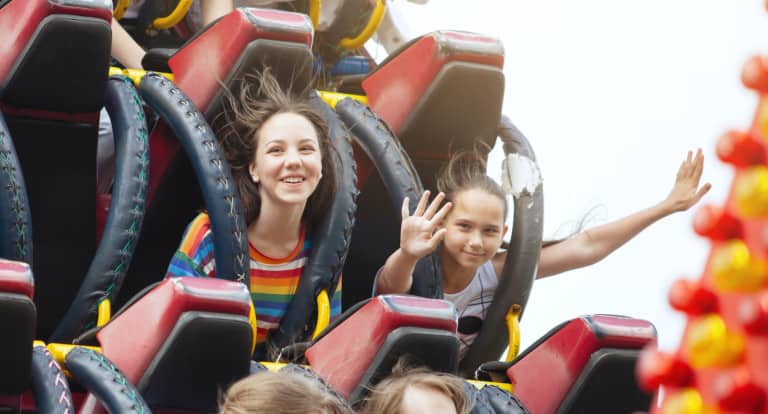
[60, 351]
[323, 313]
[135, 75]
[254, 326]
[332, 98]
[513, 328]
[314, 12]
[368, 31]
[104, 312]
[178, 13]
[120, 8]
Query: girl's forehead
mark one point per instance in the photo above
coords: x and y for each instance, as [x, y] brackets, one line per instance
[475, 203]
[287, 126]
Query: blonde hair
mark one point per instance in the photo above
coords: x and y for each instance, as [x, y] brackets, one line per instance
[280, 393]
[387, 396]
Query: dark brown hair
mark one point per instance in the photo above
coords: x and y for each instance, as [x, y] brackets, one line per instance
[280, 393]
[387, 396]
[467, 171]
[260, 97]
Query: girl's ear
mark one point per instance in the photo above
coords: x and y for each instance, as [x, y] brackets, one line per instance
[504, 232]
[252, 172]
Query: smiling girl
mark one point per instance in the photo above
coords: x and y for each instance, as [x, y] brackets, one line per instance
[469, 229]
[280, 155]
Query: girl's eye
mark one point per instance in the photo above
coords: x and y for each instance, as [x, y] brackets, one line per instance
[492, 231]
[307, 149]
[463, 226]
[274, 150]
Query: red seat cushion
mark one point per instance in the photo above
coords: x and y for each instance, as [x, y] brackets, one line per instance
[543, 375]
[397, 86]
[134, 336]
[342, 356]
[16, 277]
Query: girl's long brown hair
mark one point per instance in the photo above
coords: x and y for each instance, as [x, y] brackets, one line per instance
[280, 393]
[467, 171]
[260, 97]
[387, 396]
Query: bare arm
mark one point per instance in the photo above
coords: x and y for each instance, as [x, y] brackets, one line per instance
[124, 48]
[593, 245]
[419, 236]
[213, 9]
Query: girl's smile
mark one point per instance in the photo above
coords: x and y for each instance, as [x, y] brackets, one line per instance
[288, 163]
[475, 226]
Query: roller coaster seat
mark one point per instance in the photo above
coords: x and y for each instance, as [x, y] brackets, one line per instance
[366, 342]
[17, 320]
[585, 365]
[53, 72]
[423, 92]
[241, 42]
[183, 341]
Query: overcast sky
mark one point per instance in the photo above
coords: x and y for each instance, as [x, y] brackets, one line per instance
[612, 93]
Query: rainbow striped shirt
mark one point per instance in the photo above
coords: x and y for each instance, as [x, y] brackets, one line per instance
[273, 281]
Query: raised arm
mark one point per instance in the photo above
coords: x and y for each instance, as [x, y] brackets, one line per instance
[213, 9]
[419, 236]
[124, 48]
[592, 245]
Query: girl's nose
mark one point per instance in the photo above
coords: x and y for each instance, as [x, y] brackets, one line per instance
[292, 158]
[475, 240]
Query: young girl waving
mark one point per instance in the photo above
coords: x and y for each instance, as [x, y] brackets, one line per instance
[280, 155]
[469, 230]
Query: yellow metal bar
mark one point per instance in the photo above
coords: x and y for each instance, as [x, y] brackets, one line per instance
[182, 7]
[104, 312]
[60, 351]
[314, 12]
[332, 98]
[323, 313]
[502, 385]
[254, 326]
[273, 366]
[513, 328]
[37, 343]
[135, 75]
[368, 31]
[120, 7]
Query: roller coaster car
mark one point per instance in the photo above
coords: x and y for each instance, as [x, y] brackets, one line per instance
[419, 100]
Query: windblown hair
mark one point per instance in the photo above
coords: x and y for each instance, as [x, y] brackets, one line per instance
[467, 171]
[280, 393]
[387, 396]
[261, 97]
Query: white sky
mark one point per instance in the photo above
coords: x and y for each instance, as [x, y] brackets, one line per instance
[612, 93]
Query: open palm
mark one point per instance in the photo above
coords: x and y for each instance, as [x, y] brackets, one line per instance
[419, 233]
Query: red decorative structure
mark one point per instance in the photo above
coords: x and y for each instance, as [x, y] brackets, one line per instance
[720, 366]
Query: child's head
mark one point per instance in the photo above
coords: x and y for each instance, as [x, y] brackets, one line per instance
[418, 391]
[475, 225]
[278, 148]
[280, 393]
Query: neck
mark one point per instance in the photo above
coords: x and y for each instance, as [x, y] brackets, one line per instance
[276, 229]
[455, 277]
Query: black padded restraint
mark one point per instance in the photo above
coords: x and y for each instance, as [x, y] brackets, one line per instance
[214, 175]
[330, 240]
[105, 381]
[15, 220]
[399, 177]
[522, 260]
[49, 385]
[126, 210]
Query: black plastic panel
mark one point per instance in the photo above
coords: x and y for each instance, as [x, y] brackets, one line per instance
[201, 357]
[58, 163]
[607, 384]
[63, 68]
[17, 322]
